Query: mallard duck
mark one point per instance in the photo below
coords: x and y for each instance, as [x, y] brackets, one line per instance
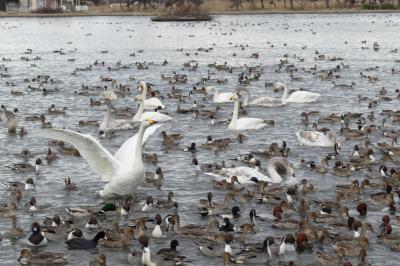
[43, 258]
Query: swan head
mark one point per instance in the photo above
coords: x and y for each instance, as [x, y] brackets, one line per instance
[141, 85]
[108, 95]
[209, 89]
[291, 170]
[149, 122]
[234, 98]
[138, 98]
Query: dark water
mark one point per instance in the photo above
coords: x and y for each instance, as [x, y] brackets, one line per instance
[85, 38]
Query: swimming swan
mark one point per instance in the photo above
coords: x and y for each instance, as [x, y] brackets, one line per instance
[244, 123]
[275, 166]
[140, 115]
[219, 97]
[124, 171]
[299, 96]
[150, 103]
[317, 138]
[265, 101]
[110, 124]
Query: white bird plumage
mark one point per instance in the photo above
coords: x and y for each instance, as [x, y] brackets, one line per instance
[219, 97]
[317, 138]
[113, 124]
[150, 103]
[244, 174]
[299, 96]
[243, 123]
[140, 115]
[124, 171]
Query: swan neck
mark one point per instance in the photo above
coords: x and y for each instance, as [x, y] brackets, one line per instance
[235, 113]
[107, 116]
[138, 148]
[285, 93]
[273, 174]
[139, 112]
[246, 101]
[144, 92]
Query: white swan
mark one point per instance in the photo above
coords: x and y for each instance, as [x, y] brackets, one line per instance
[109, 124]
[265, 101]
[150, 103]
[243, 123]
[124, 171]
[299, 96]
[219, 97]
[317, 138]
[246, 174]
[140, 115]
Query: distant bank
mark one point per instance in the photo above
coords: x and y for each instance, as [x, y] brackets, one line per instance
[155, 13]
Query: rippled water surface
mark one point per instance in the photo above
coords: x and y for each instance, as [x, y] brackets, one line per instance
[272, 36]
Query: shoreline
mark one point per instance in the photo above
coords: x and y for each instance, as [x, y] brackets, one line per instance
[218, 13]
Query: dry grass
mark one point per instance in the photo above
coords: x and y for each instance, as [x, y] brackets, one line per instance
[221, 6]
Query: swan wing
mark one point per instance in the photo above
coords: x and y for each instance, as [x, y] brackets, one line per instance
[153, 103]
[3, 116]
[156, 116]
[267, 101]
[223, 97]
[125, 152]
[98, 158]
[303, 97]
[250, 123]
[315, 138]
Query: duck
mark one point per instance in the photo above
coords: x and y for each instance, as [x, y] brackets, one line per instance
[123, 241]
[68, 185]
[9, 210]
[149, 204]
[169, 140]
[157, 232]
[50, 156]
[29, 184]
[157, 179]
[36, 238]
[287, 244]
[15, 232]
[54, 111]
[123, 172]
[241, 124]
[167, 204]
[10, 118]
[28, 168]
[43, 258]
[82, 243]
[92, 223]
[75, 233]
[140, 228]
[31, 205]
[100, 260]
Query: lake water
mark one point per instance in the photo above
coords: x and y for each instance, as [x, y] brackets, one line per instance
[84, 38]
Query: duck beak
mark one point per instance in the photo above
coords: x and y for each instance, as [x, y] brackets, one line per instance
[19, 259]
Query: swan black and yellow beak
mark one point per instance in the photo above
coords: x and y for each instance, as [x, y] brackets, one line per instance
[151, 121]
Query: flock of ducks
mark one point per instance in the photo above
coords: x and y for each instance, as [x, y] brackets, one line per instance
[287, 215]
